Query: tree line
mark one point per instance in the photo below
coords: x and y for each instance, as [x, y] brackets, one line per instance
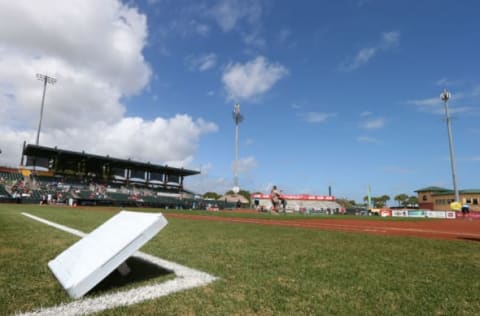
[403, 199]
[216, 196]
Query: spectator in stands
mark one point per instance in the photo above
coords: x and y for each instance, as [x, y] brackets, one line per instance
[275, 199]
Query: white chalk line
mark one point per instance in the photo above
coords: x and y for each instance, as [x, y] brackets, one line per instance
[187, 278]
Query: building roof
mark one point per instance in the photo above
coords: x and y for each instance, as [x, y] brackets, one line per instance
[432, 189]
[450, 192]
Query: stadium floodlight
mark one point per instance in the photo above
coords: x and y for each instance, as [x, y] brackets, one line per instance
[238, 118]
[445, 96]
[46, 79]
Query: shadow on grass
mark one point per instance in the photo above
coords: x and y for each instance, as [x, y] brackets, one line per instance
[470, 238]
[140, 271]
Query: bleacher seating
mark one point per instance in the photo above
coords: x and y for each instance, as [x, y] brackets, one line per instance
[46, 179]
[3, 192]
[120, 197]
[11, 176]
[85, 194]
[35, 188]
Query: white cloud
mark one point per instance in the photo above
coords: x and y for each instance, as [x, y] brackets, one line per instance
[245, 165]
[425, 102]
[172, 141]
[284, 35]
[476, 91]
[63, 32]
[200, 28]
[388, 40]
[455, 110]
[362, 57]
[203, 62]
[445, 82]
[374, 123]
[442, 82]
[243, 16]
[367, 139]
[205, 182]
[473, 158]
[229, 13]
[200, 18]
[252, 79]
[317, 117]
[254, 39]
[435, 105]
[296, 106]
[94, 50]
[366, 113]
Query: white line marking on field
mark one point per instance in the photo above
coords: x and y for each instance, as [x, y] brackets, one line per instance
[61, 227]
[375, 230]
[187, 278]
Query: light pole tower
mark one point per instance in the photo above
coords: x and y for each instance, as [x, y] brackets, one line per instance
[46, 79]
[444, 96]
[238, 118]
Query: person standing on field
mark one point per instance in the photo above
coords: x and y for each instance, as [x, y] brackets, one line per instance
[275, 198]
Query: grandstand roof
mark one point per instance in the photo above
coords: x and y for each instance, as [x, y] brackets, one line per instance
[35, 151]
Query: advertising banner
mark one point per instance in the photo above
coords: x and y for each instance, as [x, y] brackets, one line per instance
[436, 214]
[400, 213]
[450, 215]
[416, 213]
[385, 212]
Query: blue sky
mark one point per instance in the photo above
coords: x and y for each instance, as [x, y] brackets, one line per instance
[340, 93]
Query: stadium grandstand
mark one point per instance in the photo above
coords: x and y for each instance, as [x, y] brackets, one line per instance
[53, 175]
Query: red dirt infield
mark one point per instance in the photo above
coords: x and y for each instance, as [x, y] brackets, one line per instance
[459, 229]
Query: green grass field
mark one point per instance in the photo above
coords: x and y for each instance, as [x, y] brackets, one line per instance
[263, 270]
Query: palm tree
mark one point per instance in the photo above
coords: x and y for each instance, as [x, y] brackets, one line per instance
[246, 194]
[385, 198]
[401, 199]
[211, 195]
[412, 201]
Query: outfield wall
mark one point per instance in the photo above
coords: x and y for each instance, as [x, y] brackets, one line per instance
[423, 214]
[303, 203]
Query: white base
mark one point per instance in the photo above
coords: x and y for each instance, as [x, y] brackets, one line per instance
[87, 262]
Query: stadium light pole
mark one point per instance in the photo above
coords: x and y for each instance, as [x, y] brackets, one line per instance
[46, 79]
[445, 96]
[238, 118]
